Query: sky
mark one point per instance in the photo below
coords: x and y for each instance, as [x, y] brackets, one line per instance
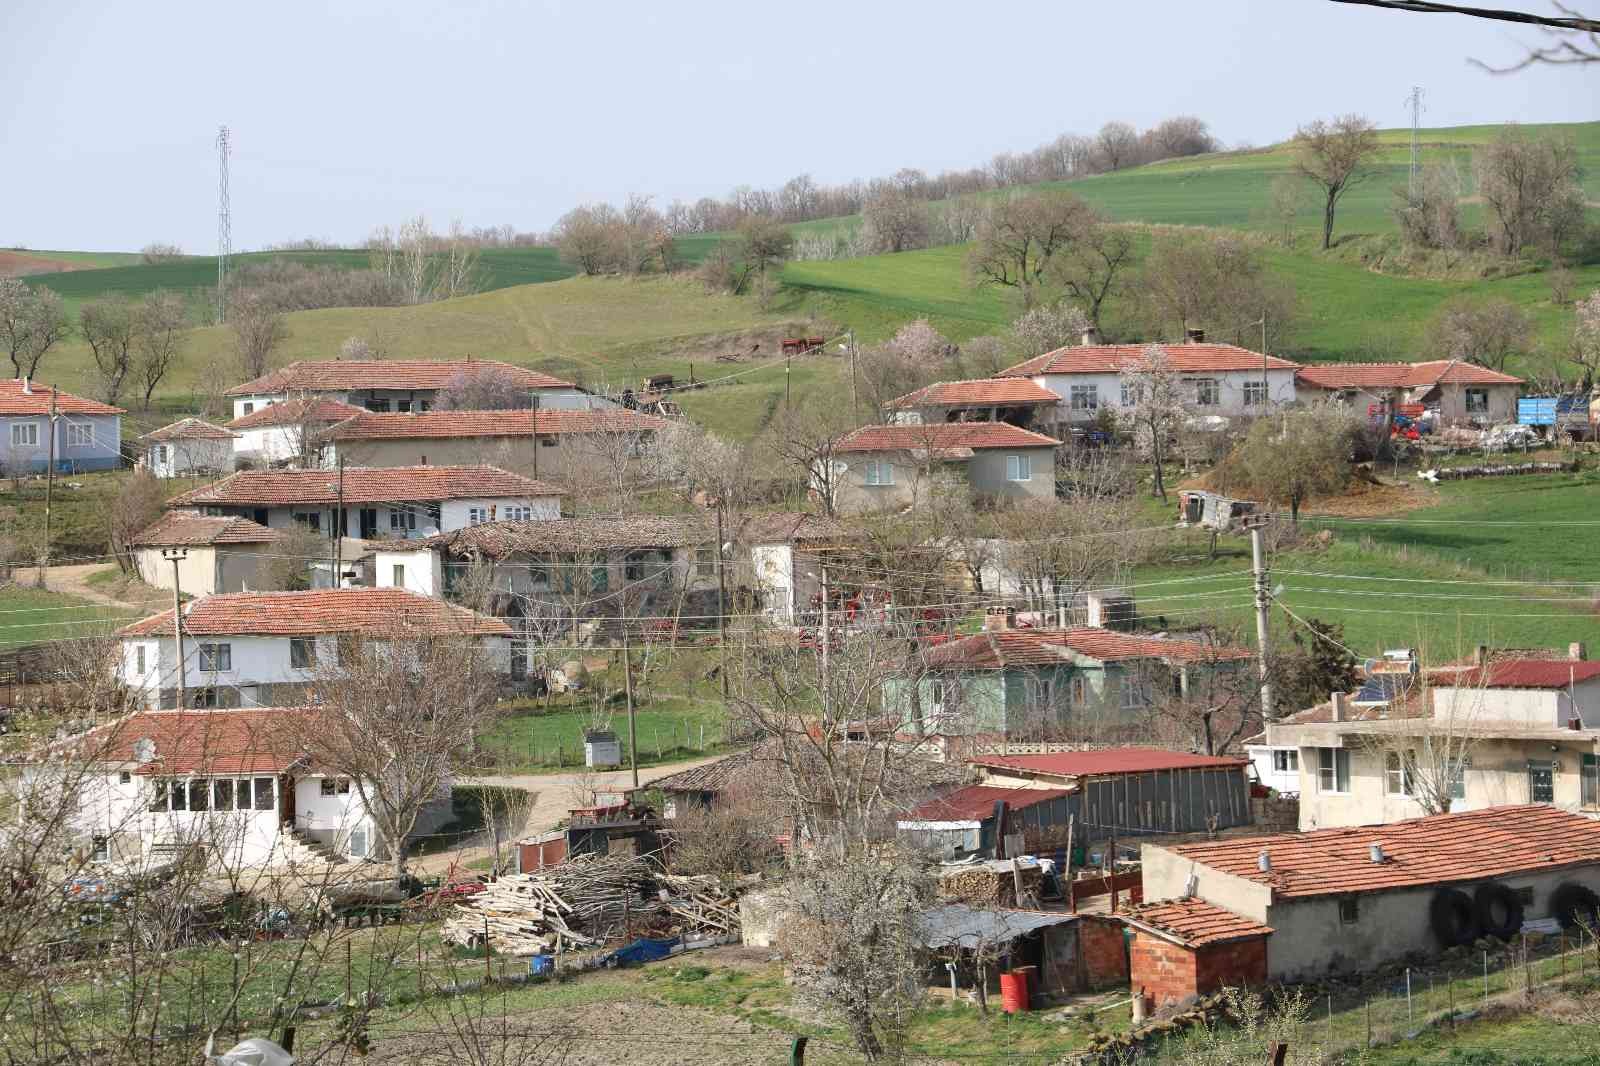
[347, 116]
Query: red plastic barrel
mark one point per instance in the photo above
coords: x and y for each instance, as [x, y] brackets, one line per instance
[1013, 992]
[1030, 978]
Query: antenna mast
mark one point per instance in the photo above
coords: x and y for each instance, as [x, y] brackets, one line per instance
[1414, 98]
[224, 223]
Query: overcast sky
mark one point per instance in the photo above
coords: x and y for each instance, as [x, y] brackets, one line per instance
[349, 115]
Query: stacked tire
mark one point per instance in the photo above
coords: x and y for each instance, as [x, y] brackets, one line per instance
[1493, 910]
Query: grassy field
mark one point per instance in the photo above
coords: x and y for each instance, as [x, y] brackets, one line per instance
[668, 730]
[31, 615]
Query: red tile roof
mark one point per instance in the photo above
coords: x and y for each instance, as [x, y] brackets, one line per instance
[338, 375]
[13, 401]
[975, 803]
[428, 425]
[1111, 358]
[1524, 673]
[945, 437]
[981, 392]
[254, 741]
[1470, 846]
[319, 611]
[1110, 761]
[1194, 922]
[997, 649]
[178, 529]
[294, 412]
[398, 484]
[189, 429]
[1400, 375]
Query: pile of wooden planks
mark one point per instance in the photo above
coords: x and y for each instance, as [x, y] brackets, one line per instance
[987, 885]
[583, 903]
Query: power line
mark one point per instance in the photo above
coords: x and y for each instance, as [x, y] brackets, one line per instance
[1427, 7]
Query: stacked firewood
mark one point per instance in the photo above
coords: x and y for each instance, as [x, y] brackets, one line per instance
[986, 886]
[585, 902]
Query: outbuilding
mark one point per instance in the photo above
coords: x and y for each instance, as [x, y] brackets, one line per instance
[1181, 949]
[188, 447]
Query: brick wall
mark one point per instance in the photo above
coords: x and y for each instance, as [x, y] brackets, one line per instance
[1173, 975]
[1103, 949]
[1230, 965]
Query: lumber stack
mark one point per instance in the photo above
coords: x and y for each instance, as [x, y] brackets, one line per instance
[987, 886]
[585, 902]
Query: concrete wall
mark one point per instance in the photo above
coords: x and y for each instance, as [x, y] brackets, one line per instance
[566, 456]
[1536, 708]
[206, 570]
[453, 514]
[1166, 873]
[102, 451]
[985, 472]
[1281, 389]
[332, 820]
[421, 571]
[1262, 759]
[180, 458]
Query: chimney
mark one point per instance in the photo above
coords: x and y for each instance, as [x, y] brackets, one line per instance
[1264, 862]
[1194, 336]
[1191, 886]
[1375, 853]
[27, 387]
[1480, 655]
[1090, 335]
[999, 617]
[1577, 652]
[1338, 706]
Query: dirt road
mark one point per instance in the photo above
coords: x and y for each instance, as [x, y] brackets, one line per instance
[74, 581]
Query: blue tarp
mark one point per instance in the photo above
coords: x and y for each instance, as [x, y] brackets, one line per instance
[642, 950]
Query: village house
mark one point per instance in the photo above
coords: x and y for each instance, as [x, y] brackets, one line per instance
[214, 554]
[1459, 391]
[397, 384]
[1015, 401]
[396, 503]
[1498, 729]
[1024, 681]
[188, 447]
[289, 431]
[87, 433]
[1220, 379]
[235, 785]
[881, 468]
[263, 649]
[1351, 900]
[547, 443]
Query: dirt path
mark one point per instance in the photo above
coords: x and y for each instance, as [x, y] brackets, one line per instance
[74, 581]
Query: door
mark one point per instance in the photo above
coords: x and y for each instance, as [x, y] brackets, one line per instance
[286, 801]
[369, 523]
[1541, 783]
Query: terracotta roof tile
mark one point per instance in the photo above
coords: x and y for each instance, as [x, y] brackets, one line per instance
[1111, 358]
[429, 425]
[338, 375]
[975, 803]
[297, 411]
[1194, 922]
[1400, 375]
[1470, 846]
[13, 401]
[997, 649]
[189, 429]
[1526, 673]
[177, 529]
[948, 437]
[268, 488]
[253, 741]
[1110, 761]
[318, 611]
[979, 392]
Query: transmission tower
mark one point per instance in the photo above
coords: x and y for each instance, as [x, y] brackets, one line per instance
[224, 223]
[1415, 100]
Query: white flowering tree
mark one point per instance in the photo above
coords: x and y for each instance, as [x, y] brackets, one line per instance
[1154, 386]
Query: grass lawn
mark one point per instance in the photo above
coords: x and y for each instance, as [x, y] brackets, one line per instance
[668, 729]
[29, 615]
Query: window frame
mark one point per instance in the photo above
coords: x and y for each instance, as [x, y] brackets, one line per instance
[1285, 760]
[1019, 467]
[1083, 397]
[1133, 693]
[302, 653]
[1349, 910]
[1333, 765]
[878, 473]
[1398, 778]
[1207, 392]
[79, 434]
[1547, 767]
[214, 652]
[1130, 393]
[1255, 393]
[99, 848]
[1589, 780]
[1476, 399]
[21, 432]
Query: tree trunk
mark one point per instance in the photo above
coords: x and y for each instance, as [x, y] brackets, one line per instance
[1159, 488]
[1327, 220]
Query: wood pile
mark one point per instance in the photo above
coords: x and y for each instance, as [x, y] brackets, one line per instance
[986, 886]
[586, 901]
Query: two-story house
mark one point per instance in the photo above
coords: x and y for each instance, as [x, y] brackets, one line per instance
[398, 384]
[393, 503]
[882, 468]
[290, 431]
[87, 433]
[1219, 379]
[1461, 392]
[263, 649]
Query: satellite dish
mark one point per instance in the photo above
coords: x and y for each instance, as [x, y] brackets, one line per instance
[144, 750]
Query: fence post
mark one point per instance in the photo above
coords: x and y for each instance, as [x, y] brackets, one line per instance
[1486, 979]
[1369, 1021]
[1527, 974]
[1410, 1015]
[1329, 1048]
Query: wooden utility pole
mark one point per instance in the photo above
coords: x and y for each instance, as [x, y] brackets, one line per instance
[826, 702]
[174, 556]
[854, 403]
[338, 527]
[1263, 599]
[627, 688]
[722, 608]
[49, 484]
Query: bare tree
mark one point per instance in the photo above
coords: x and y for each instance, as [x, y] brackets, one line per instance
[109, 327]
[161, 252]
[1294, 456]
[1336, 156]
[1483, 330]
[1118, 145]
[486, 389]
[1216, 281]
[895, 221]
[1425, 754]
[285, 563]
[161, 327]
[1285, 204]
[1428, 214]
[1050, 326]
[804, 437]
[1019, 237]
[138, 506]
[1159, 405]
[1585, 347]
[257, 330]
[1092, 269]
[1182, 135]
[764, 245]
[32, 321]
[1530, 185]
[1056, 549]
[1219, 702]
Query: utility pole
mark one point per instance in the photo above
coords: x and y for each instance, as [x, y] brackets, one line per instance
[49, 484]
[787, 360]
[825, 642]
[722, 607]
[1263, 598]
[338, 526]
[627, 688]
[1414, 98]
[854, 403]
[175, 556]
[534, 407]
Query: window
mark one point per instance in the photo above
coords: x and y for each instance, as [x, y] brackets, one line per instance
[403, 406]
[705, 561]
[402, 520]
[1080, 691]
[879, 472]
[99, 848]
[1477, 401]
[379, 406]
[216, 657]
[1589, 775]
[1135, 693]
[1207, 392]
[1541, 782]
[138, 658]
[1397, 774]
[205, 698]
[335, 786]
[161, 454]
[125, 778]
[264, 794]
[1019, 468]
[222, 794]
[246, 408]
[199, 794]
[80, 435]
[1255, 393]
[303, 653]
[477, 516]
[1084, 397]
[1333, 770]
[1130, 393]
[1458, 779]
[178, 795]
[1286, 761]
[424, 405]
[636, 567]
[24, 434]
[519, 512]
[1349, 910]
[399, 577]
[158, 796]
[599, 578]
[312, 520]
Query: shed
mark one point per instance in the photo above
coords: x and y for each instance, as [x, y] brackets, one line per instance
[601, 748]
[1072, 952]
[1182, 949]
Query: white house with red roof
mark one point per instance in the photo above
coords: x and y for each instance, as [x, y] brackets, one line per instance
[87, 434]
[188, 447]
[264, 649]
[545, 442]
[398, 384]
[1458, 390]
[882, 468]
[1221, 379]
[289, 431]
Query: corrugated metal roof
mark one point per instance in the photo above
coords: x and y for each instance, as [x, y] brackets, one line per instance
[1110, 761]
[958, 925]
[1194, 922]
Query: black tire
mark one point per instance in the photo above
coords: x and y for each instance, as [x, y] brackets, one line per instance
[1499, 911]
[1574, 904]
[1454, 919]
